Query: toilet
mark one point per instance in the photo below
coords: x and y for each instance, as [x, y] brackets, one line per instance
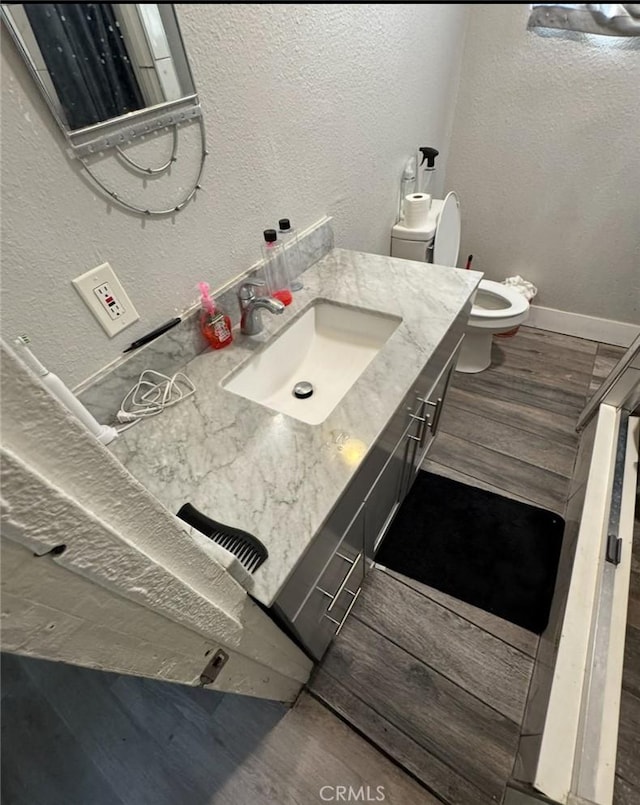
[496, 307]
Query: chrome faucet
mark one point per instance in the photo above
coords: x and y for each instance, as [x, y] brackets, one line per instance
[251, 305]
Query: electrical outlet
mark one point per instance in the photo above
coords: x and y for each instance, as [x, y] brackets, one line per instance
[106, 299]
[109, 300]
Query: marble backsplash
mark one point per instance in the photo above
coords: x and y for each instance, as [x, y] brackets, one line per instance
[103, 392]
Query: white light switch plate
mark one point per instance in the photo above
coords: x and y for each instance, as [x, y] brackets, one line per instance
[106, 299]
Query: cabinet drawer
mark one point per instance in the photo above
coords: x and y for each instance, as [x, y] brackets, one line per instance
[308, 572]
[332, 598]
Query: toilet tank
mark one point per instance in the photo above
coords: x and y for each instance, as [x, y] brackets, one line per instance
[411, 249]
[416, 244]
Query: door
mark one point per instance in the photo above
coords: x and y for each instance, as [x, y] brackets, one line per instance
[96, 572]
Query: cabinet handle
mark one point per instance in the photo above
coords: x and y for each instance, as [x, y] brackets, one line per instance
[344, 583]
[341, 623]
[423, 430]
[423, 427]
[436, 414]
[347, 559]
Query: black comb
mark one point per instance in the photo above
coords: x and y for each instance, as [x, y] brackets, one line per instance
[247, 549]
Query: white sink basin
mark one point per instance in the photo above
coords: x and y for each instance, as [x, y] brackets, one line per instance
[328, 346]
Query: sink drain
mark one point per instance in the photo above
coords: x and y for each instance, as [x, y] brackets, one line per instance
[302, 390]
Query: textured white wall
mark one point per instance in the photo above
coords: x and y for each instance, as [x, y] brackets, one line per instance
[545, 156]
[310, 110]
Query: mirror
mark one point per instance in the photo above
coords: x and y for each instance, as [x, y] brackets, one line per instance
[105, 67]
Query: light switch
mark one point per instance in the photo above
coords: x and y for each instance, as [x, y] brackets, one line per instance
[106, 299]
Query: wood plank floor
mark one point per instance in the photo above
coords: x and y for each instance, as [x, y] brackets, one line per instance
[452, 716]
[433, 688]
[71, 736]
[512, 427]
[421, 693]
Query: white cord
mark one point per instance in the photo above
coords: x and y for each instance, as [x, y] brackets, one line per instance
[152, 394]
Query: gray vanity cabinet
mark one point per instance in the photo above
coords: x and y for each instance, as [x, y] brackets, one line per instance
[317, 598]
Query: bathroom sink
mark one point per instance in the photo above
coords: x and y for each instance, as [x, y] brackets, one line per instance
[328, 347]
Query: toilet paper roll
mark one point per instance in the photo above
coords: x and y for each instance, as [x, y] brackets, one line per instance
[416, 210]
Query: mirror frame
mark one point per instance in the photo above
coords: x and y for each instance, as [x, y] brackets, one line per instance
[121, 130]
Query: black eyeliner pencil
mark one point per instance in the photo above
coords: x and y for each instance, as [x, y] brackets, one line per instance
[153, 334]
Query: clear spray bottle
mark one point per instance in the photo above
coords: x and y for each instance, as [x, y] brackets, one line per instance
[276, 271]
[407, 185]
[426, 172]
[289, 238]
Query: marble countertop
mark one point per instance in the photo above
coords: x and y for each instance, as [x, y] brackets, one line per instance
[269, 474]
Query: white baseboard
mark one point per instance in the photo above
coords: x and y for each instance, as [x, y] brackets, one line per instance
[592, 328]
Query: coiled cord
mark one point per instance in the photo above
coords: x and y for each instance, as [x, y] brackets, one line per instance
[152, 394]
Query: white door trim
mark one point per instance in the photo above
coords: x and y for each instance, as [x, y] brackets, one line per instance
[579, 739]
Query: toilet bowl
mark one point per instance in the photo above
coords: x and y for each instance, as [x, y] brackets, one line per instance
[496, 308]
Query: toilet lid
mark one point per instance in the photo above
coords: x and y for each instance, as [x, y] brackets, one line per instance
[446, 244]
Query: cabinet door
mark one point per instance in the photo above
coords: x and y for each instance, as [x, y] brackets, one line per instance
[428, 418]
[330, 601]
[387, 491]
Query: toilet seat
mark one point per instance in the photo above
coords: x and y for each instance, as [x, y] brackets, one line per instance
[497, 306]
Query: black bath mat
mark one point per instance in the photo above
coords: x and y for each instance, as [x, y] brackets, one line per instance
[490, 551]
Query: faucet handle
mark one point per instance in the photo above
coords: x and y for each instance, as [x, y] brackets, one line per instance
[246, 294]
